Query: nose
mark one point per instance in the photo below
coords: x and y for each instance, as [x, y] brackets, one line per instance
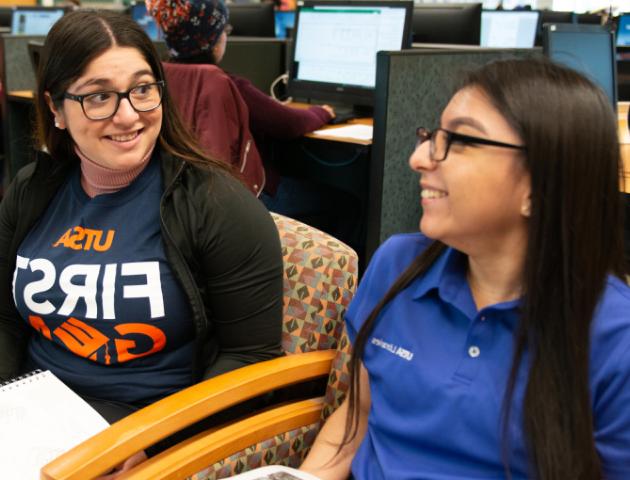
[420, 159]
[125, 113]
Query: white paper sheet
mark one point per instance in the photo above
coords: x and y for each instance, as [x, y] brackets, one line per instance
[359, 132]
[41, 418]
[274, 472]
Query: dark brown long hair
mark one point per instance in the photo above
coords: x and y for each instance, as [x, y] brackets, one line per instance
[72, 43]
[574, 243]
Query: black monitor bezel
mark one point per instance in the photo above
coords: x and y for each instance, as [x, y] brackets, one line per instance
[334, 92]
[437, 8]
[35, 8]
[518, 12]
[550, 28]
[263, 13]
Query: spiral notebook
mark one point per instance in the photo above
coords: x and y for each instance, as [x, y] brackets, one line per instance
[40, 418]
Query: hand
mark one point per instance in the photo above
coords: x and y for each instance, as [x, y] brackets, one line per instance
[330, 110]
[125, 466]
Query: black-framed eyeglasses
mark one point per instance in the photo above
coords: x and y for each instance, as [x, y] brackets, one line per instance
[442, 139]
[103, 105]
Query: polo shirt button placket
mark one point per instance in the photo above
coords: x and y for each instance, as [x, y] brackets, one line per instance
[473, 351]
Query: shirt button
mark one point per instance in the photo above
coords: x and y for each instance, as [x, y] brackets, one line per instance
[474, 351]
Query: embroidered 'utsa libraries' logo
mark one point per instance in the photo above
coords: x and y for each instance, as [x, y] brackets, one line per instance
[81, 238]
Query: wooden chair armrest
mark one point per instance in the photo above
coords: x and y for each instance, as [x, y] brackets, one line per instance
[151, 424]
[207, 448]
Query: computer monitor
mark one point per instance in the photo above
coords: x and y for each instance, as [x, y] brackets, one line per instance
[457, 23]
[623, 30]
[146, 21]
[252, 20]
[260, 60]
[34, 20]
[6, 16]
[589, 18]
[509, 29]
[552, 16]
[285, 21]
[588, 49]
[335, 47]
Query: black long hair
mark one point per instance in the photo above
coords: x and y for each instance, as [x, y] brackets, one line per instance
[72, 43]
[574, 243]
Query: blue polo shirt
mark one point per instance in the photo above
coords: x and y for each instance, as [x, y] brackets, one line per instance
[438, 369]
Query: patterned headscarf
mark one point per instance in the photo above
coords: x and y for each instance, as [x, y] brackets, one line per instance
[191, 27]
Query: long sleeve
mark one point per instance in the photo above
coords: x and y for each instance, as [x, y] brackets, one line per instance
[13, 331]
[272, 119]
[244, 287]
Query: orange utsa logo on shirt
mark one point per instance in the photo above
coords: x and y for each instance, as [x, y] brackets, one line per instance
[80, 238]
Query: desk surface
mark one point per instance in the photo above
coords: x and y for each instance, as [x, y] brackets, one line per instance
[356, 121]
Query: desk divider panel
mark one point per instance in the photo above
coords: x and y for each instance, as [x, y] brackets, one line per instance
[17, 71]
[17, 74]
[413, 87]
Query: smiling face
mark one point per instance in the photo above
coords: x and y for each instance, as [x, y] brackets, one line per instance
[478, 198]
[124, 140]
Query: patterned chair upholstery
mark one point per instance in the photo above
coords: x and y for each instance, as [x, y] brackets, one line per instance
[320, 280]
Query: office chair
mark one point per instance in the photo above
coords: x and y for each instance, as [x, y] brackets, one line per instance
[320, 277]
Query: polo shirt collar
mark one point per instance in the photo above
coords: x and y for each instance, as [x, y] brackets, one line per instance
[447, 276]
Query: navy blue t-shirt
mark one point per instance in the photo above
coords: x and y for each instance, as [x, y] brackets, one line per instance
[93, 280]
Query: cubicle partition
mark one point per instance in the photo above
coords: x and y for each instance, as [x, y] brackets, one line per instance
[17, 75]
[413, 87]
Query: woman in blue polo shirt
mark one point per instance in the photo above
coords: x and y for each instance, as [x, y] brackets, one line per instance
[496, 343]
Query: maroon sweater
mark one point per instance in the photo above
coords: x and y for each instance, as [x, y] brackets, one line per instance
[270, 120]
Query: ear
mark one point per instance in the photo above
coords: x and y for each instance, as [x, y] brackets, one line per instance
[526, 206]
[60, 121]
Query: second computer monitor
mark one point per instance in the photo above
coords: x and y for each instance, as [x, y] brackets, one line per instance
[623, 30]
[336, 42]
[509, 29]
[34, 20]
[456, 23]
[146, 21]
[586, 48]
[252, 20]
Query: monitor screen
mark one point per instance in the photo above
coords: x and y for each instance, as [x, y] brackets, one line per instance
[588, 49]
[509, 29]
[334, 55]
[455, 23]
[34, 21]
[252, 20]
[623, 30]
[146, 21]
[285, 21]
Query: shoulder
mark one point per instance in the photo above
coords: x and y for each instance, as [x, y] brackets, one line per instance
[610, 329]
[396, 254]
[390, 260]
[218, 204]
[611, 321]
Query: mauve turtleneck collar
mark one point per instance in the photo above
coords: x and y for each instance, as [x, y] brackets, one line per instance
[97, 179]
